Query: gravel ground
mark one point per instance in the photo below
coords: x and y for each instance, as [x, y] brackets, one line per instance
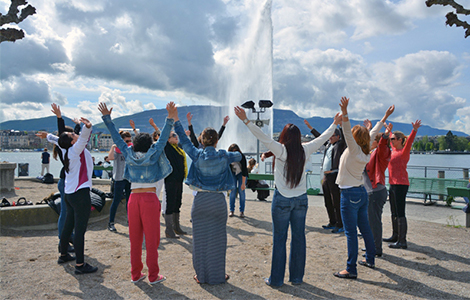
[436, 264]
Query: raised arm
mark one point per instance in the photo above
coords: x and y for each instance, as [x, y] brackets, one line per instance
[152, 123]
[271, 144]
[316, 143]
[188, 145]
[411, 138]
[222, 128]
[60, 122]
[132, 123]
[83, 138]
[192, 136]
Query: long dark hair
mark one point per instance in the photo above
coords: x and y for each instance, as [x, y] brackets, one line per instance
[293, 169]
[56, 151]
[234, 148]
[65, 142]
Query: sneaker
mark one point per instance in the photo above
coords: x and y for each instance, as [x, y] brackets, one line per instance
[65, 258]
[160, 278]
[231, 214]
[111, 227]
[242, 215]
[338, 230]
[142, 277]
[329, 226]
[85, 268]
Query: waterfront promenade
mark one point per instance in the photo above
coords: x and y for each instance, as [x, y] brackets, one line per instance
[435, 266]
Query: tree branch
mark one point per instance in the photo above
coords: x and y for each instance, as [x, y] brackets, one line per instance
[453, 19]
[13, 34]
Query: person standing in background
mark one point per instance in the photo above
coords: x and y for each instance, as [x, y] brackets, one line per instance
[45, 159]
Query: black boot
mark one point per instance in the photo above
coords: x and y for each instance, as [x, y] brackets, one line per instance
[402, 229]
[169, 232]
[176, 224]
[394, 237]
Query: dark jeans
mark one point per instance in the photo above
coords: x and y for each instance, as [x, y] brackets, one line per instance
[285, 211]
[174, 194]
[78, 212]
[332, 195]
[354, 203]
[121, 188]
[398, 199]
[376, 205]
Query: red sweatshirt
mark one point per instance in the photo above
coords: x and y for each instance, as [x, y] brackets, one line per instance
[397, 166]
[378, 163]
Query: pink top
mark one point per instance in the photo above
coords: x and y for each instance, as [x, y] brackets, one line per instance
[397, 173]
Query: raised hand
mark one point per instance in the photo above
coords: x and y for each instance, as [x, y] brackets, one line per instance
[388, 128]
[86, 122]
[188, 133]
[41, 134]
[132, 123]
[240, 112]
[416, 125]
[310, 127]
[56, 110]
[390, 110]
[338, 119]
[367, 124]
[104, 109]
[226, 119]
[189, 116]
[152, 123]
[76, 120]
[172, 111]
[344, 105]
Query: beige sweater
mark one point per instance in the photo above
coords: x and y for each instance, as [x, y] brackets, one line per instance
[353, 160]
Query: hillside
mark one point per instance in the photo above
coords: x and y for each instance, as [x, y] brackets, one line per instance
[203, 117]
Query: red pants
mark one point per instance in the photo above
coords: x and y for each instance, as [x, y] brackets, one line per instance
[144, 218]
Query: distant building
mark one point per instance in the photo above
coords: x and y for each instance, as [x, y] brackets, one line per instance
[105, 141]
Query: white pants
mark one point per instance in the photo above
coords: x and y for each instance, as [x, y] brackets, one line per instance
[44, 166]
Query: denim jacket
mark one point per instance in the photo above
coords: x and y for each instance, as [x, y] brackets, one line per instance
[149, 168]
[210, 169]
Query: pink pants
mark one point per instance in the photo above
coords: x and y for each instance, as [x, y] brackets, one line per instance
[144, 218]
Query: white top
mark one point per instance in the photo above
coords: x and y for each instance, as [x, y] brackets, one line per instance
[80, 162]
[280, 152]
[353, 160]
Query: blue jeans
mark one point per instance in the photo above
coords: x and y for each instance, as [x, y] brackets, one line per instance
[354, 205]
[233, 194]
[121, 187]
[284, 211]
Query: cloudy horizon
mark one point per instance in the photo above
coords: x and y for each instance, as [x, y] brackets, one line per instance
[138, 55]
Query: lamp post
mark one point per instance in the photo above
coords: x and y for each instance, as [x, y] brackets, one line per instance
[263, 104]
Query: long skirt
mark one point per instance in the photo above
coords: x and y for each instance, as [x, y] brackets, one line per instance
[209, 215]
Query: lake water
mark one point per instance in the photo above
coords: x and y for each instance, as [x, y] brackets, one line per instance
[416, 160]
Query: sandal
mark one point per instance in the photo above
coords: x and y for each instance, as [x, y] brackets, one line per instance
[5, 203]
[195, 278]
[366, 264]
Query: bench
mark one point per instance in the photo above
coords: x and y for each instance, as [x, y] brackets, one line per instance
[433, 186]
[266, 177]
[460, 192]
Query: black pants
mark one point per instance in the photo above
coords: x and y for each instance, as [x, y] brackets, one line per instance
[332, 195]
[78, 212]
[397, 198]
[174, 193]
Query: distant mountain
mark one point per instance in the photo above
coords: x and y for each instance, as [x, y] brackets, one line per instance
[203, 117]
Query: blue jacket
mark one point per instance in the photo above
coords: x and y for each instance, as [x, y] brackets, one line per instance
[153, 165]
[210, 169]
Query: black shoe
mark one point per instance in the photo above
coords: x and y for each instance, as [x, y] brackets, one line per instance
[85, 268]
[392, 239]
[398, 245]
[338, 230]
[366, 264]
[65, 258]
[347, 276]
[111, 227]
[377, 255]
[329, 226]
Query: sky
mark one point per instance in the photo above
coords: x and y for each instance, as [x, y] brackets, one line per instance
[138, 55]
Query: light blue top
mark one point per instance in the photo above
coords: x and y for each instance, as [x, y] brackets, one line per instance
[210, 169]
[146, 167]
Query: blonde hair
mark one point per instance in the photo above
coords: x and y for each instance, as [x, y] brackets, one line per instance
[401, 136]
[362, 137]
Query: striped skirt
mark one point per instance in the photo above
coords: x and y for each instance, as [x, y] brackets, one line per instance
[209, 215]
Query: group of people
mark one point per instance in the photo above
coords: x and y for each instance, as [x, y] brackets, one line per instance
[354, 164]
